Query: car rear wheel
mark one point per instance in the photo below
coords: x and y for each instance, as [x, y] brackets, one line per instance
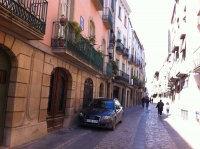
[114, 124]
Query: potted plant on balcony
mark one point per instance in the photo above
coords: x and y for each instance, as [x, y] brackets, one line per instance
[91, 40]
[135, 78]
[77, 28]
[63, 20]
[62, 42]
[114, 67]
[119, 40]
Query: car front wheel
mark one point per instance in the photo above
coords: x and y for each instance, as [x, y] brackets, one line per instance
[114, 124]
[121, 118]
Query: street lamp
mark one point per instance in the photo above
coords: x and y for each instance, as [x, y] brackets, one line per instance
[110, 51]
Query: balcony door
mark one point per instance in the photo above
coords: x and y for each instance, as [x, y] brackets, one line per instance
[57, 99]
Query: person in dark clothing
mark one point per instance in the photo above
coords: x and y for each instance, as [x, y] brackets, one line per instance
[147, 101]
[160, 107]
[143, 101]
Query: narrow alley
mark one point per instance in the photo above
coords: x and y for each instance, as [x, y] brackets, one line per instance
[140, 129]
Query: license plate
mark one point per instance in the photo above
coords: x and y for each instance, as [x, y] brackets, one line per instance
[91, 121]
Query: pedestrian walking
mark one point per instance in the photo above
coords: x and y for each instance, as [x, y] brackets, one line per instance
[143, 101]
[167, 108]
[160, 107]
[147, 101]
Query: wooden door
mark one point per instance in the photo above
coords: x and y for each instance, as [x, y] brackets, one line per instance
[57, 100]
[4, 81]
[88, 91]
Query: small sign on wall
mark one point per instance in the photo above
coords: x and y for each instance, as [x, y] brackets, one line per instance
[82, 23]
[2, 76]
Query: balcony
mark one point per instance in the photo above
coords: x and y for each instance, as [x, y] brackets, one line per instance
[175, 46]
[136, 62]
[125, 53]
[98, 4]
[107, 18]
[77, 51]
[119, 47]
[183, 45]
[112, 38]
[181, 70]
[135, 82]
[122, 77]
[107, 70]
[182, 30]
[25, 18]
[197, 64]
[131, 59]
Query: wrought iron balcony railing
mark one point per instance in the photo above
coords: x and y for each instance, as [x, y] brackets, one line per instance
[122, 77]
[197, 65]
[107, 17]
[119, 47]
[33, 12]
[65, 38]
[135, 82]
[112, 37]
[131, 59]
[125, 53]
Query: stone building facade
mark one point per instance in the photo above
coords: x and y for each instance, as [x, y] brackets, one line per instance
[44, 83]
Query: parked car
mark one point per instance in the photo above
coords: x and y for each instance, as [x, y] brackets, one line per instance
[101, 112]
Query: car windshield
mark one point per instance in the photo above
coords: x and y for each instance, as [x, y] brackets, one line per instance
[106, 104]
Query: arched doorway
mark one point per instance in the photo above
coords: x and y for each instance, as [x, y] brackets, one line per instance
[57, 99]
[101, 88]
[5, 67]
[88, 91]
[116, 92]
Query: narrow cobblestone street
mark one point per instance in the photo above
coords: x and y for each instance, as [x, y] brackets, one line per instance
[140, 129]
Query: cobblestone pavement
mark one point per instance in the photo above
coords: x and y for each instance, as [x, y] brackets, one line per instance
[156, 134]
[123, 136]
[141, 129]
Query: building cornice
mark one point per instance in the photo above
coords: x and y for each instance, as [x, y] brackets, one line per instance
[126, 6]
[137, 39]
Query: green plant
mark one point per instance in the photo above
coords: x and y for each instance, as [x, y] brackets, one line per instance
[119, 40]
[77, 28]
[114, 67]
[100, 53]
[135, 78]
[91, 40]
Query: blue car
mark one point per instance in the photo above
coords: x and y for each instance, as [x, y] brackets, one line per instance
[101, 112]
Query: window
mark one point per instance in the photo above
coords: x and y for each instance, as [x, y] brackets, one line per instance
[64, 8]
[119, 13]
[125, 21]
[117, 62]
[123, 67]
[118, 35]
[131, 71]
[124, 42]
[91, 29]
[103, 46]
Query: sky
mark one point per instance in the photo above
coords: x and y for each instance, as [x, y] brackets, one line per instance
[151, 19]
